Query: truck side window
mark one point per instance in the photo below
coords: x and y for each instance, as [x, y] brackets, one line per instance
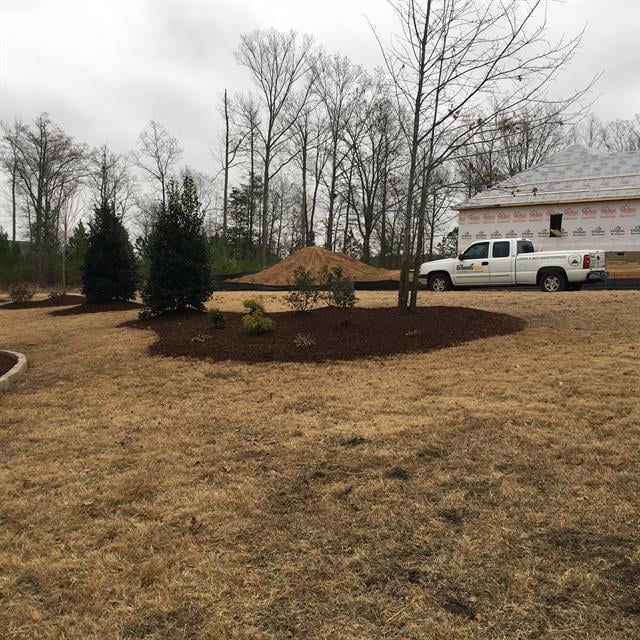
[524, 246]
[476, 251]
[501, 249]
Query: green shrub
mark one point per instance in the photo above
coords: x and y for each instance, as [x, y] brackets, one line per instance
[338, 290]
[176, 251]
[303, 341]
[216, 319]
[254, 305]
[109, 271]
[20, 293]
[256, 323]
[304, 292]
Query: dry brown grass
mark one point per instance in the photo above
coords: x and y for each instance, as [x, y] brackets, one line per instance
[484, 491]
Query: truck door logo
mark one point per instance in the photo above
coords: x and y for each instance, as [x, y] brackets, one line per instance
[574, 260]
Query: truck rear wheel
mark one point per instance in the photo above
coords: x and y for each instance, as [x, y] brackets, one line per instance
[439, 282]
[552, 281]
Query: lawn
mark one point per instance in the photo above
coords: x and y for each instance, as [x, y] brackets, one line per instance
[486, 490]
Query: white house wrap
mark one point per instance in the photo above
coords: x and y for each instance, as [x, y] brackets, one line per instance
[577, 198]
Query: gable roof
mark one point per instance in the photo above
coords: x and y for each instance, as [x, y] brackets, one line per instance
[576, 174]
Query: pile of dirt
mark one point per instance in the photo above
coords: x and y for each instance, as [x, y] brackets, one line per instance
[315, 260]
[324, 334]
[56, 301]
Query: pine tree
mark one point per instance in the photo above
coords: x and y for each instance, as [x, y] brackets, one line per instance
[76, 252]
[179, 274]
[109, 271]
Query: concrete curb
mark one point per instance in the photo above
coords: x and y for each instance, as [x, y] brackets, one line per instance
[16, 372]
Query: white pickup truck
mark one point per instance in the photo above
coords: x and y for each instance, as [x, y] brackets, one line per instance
[513, 262]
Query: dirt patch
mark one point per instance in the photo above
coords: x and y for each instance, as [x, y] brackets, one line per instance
[7, 362]
[59, 301]
[315, 260]
[96, 308]
[329, 333]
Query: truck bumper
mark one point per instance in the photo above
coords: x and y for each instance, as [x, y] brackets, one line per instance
[597, 276]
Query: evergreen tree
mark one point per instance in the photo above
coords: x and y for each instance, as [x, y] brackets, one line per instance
[448, 246]
[76, 252]
[179, 275]
[109, 271]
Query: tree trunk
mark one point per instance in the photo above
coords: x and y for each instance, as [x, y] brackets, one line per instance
[332, 195]
[420, 238]
[225, 209]
[305, 212]
[265, 216]
[403, 290]
[14, 172]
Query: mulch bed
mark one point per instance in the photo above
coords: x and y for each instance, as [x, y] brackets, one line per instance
[60, 301]
[7, 362]
[337, 335]
[96, 308]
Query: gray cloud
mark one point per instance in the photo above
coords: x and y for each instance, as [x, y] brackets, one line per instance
[103, 69]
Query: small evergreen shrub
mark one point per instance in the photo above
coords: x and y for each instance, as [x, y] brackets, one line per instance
[20, 293]
[216, 319]
[303, 341]
[338, 290]
[254, 306]
[304, 292]
[256, 323]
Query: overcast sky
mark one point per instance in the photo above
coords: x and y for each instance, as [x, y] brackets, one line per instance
[104, 69]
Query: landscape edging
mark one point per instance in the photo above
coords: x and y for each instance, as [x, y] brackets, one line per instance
[16, 372]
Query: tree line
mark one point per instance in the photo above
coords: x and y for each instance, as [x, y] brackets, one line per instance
[320, 151]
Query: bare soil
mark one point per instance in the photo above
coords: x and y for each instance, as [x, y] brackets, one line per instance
[325, 334]
[7, 362]
[44, 303]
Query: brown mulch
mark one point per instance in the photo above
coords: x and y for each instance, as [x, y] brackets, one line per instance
[96, 308]
[336, 334]
[7, 362]
[61, 301]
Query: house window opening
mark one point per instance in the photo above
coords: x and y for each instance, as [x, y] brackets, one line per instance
[555, 226]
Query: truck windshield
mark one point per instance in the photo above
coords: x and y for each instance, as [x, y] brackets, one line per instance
[524, 246]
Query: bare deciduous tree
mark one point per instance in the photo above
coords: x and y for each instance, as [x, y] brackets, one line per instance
[110, 180]
[157, 154]
[48, 166]
[340, 85]
[277, 61]
[455, 58]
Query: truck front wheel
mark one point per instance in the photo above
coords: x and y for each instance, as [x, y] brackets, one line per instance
[439, 282]
[552, 281]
